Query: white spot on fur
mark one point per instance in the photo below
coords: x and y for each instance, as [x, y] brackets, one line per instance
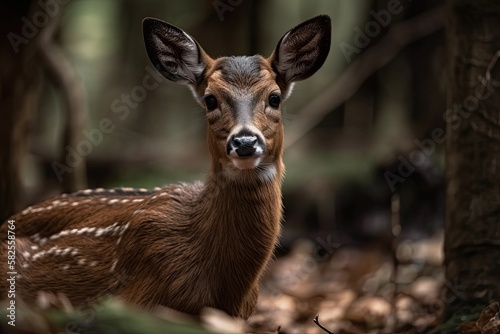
[124, 228]
[74, 203]
[93, 263]
[113, 201]
[41, 254]
[82, 230]
[82, 261]
[100, 190]
[87, 191]
[137, 200]
[113, 266]
[125, 201]
[105, 230]
[113, 229]
[66, 251]
[66, 267]
[35, 210]
[26, 211]
[26, 254]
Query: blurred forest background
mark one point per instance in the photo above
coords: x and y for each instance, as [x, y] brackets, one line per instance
[343, 129]
[364, 140]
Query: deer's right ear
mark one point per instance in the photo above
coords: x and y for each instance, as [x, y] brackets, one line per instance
[174, 53]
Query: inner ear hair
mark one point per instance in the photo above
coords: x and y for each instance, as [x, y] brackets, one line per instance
[302, 50]
[175, 54]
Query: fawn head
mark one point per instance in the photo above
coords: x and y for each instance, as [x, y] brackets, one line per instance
[242, 95]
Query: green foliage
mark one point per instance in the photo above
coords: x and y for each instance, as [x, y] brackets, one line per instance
[109, 317]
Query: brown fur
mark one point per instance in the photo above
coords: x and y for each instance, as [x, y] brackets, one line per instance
[186, 246]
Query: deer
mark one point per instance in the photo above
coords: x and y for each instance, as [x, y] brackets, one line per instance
[185, 246]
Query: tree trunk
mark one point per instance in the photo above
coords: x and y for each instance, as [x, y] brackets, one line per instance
[19, 84]
[472, 230]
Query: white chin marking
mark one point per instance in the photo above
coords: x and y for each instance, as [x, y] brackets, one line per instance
[247, 163]
[268, 173]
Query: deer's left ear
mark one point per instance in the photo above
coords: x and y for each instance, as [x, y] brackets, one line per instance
[302, 51]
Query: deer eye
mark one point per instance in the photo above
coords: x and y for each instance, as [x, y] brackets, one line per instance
[274, 100]
[210, 102]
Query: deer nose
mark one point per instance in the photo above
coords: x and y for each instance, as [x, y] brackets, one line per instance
[245, 145]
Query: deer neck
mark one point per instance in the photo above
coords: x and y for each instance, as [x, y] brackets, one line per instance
[243, 200]
[239, 222]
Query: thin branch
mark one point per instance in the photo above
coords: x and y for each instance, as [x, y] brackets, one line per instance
[326, 330]
[374, 58]
[65, 77]
[491, 65]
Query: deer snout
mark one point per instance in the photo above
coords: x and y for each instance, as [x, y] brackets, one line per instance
[245, 149]
[245, 146]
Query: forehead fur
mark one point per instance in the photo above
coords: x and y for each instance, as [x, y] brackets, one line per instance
[243, 71]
